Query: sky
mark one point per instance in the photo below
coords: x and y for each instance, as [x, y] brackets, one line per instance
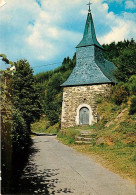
[46, 31]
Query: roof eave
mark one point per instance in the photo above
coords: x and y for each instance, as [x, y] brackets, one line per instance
[90, 45]
[110, 82]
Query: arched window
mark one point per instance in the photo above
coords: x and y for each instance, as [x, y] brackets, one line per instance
[84, 116]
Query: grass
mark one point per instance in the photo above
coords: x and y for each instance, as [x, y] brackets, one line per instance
[68, 136]
[119, 157]
[42, 126]
[119, 160]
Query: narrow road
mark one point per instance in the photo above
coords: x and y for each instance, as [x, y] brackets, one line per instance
[54, 168]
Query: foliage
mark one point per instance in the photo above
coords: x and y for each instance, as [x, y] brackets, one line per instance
[52, 99]
[132, 109]
[43, 76]
[20, 106]
[120, 93]
[49, 83]
[123, 92]
[6, 128]
[43, 126]
[5, 59]
[25, 95]
[65, 69]
[122, 54]
[132, 85]
[20, 134]
[126, 64]
[40, 126]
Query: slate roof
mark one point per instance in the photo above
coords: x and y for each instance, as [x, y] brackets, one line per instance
[91, 74]
[89, 37]
[95, 71]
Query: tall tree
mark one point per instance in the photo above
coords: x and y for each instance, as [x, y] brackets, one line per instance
[6, 128]
[53, 98]
[25, 96]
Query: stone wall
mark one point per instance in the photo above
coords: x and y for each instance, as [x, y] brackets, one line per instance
[74, 98]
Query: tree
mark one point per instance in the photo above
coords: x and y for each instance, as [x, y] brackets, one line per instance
[25, 96]
[132, 108]
[6, 60]
[6, 128]
[6, 111]
[122, 54]
[126, 64]
[53, 98]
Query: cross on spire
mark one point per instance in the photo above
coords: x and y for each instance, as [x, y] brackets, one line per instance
[89, 6]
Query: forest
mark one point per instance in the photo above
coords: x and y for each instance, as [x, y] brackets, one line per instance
[26, 97]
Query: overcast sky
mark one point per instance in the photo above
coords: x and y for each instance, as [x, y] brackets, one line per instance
[46, 31]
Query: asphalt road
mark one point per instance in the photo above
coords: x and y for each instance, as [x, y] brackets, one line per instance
[54, 168]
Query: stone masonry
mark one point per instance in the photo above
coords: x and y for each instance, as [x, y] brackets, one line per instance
[76, 97]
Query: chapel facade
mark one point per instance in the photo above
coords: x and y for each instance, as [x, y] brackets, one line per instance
[92, 75]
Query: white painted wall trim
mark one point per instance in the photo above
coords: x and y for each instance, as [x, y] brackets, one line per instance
[91, 118]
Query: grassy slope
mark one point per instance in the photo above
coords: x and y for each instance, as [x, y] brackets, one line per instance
[42, 126]
[113, 143]
[114, 139]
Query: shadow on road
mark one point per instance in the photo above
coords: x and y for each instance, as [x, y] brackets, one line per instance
[30, 180]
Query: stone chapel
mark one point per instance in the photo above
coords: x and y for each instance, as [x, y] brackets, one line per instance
[92, 75]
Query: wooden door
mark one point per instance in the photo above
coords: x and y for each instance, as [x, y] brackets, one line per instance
[84, 116]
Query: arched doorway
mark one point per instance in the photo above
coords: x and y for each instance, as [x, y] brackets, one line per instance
[84, 116]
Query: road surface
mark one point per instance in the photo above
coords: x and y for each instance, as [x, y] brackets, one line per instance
[54, 168]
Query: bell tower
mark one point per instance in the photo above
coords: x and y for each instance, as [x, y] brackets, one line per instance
[92, 75]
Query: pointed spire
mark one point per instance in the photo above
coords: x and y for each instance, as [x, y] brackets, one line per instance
[89, 37]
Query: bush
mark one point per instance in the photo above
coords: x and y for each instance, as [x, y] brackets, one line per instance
[132, 108]
[53, 117]
[20, 134]
[132, 85]
[120, 93]
[53, 98]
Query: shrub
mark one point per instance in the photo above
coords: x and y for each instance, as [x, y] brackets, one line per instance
[120, 93]
[53, 116]
[132, 108]
[132, 84]
[20, 134]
